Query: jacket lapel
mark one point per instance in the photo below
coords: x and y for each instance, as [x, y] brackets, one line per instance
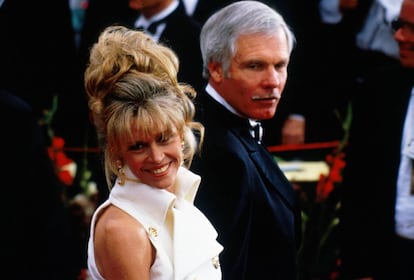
[262, 158]
[195, 245]
[271, 172]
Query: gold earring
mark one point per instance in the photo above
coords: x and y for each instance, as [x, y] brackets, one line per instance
[121, 172]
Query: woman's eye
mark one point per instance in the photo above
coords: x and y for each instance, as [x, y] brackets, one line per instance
[136, 147]
[163, 138]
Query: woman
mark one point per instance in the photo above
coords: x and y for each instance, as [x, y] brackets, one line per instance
[148, 228]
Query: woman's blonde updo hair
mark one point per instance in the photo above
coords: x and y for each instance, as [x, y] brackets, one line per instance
[131, 82]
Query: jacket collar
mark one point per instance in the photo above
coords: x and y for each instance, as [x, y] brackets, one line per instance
[155, 202]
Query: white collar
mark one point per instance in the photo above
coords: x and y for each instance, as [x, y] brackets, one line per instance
[190, 6]
[392, 8]
[216, 96]
[156, 201]
[144, 22]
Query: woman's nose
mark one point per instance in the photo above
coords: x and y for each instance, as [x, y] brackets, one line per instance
[155, 153]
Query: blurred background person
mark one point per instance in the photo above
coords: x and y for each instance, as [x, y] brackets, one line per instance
[37, 234]
[404, 208]
[380, 88]
[166, 21]
[38, 63]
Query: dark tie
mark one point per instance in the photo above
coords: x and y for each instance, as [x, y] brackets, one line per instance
[257, 131]
[152, 28]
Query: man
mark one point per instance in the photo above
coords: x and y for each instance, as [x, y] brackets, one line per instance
[246, 48]
[371, 177]
[165, 20]
[404, 209]
[289, 125]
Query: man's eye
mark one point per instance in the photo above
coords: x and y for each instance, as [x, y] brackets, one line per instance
[280, 65]
[254, 66]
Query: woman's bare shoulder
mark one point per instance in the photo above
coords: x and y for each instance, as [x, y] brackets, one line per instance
[114, 223]
[121, 243]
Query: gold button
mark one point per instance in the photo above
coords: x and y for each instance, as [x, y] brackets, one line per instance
[153, 231]
[216, 262]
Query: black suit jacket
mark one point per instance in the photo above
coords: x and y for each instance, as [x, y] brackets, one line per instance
[246, 197]
[370, 176]
[181, 34]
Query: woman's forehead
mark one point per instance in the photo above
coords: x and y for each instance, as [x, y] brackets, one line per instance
[152, 131]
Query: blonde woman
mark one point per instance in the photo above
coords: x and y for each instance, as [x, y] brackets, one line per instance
[148, 228]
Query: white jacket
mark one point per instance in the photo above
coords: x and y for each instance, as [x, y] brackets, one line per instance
[193, 251]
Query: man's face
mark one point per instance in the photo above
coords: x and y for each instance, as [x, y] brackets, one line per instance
[404, 35]
[256, 77]
[149, 7]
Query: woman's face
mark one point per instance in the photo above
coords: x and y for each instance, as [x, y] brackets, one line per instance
[155, 160]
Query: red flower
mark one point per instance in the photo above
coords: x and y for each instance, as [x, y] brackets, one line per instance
[65, 177]
[65, 167]
[326, 184]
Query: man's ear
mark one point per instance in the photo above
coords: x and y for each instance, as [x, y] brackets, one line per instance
[216, 71]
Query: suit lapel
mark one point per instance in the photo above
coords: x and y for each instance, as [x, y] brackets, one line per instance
[263, 160]
[273, 175]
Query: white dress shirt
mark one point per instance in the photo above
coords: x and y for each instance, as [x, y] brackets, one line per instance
[404, 210]
[145, 22]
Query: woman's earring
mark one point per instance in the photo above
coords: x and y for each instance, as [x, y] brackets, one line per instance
[121, 172]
